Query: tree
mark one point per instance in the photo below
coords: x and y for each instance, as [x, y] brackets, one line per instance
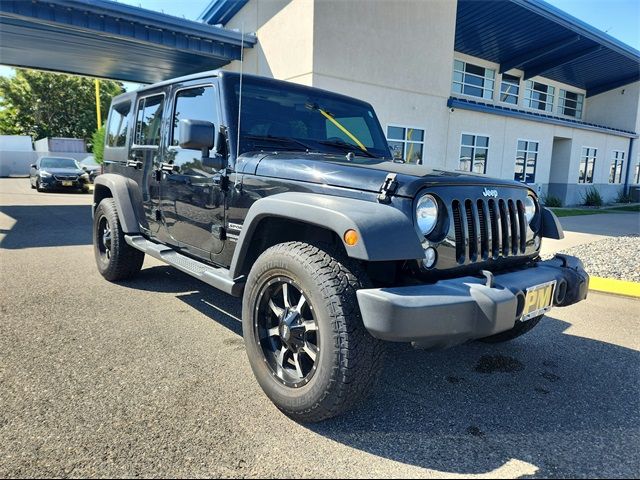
[43, 104]
[97, 140]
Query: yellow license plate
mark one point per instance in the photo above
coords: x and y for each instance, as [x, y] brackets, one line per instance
[539, 299]
[67, 183]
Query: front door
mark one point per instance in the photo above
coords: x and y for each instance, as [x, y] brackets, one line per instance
[193, 201]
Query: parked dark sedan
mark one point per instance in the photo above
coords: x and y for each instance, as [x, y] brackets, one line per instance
[92, 167]
[58, 173]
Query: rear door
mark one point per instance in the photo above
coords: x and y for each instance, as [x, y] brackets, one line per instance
[193, 202]
[145, 154]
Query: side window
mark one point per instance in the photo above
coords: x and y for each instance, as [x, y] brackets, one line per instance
[149, 120]
[197, 103]
[118, 124]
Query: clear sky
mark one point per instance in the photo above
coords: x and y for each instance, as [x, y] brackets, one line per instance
[619, 18]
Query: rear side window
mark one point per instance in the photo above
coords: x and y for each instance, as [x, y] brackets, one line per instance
[118, 124]
[149, 120]
[198, 103]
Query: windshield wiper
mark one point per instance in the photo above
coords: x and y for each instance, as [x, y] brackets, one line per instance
[348, 146]
[280, 140]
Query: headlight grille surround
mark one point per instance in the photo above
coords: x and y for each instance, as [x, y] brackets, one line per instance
[427, 214]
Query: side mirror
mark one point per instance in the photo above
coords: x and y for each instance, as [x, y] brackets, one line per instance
[85, 169]
[33, 165]
[196, 135]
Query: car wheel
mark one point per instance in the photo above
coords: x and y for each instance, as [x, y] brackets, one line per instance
[38, 186]
[520, 328]
[116, 259]
[304, 335]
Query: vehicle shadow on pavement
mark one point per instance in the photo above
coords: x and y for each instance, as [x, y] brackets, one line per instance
[549, 402]
[565, 405]
[47, 226]
[220, 307]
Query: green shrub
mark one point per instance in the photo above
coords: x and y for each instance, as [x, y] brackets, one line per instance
[97, 141]
[592, 198]
[624, 197]
[552, 201]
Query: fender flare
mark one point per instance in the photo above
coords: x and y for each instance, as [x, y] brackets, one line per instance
[126, 194]
[551, 227]
[385, 233]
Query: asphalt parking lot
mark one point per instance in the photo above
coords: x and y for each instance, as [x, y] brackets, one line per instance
[149, 378]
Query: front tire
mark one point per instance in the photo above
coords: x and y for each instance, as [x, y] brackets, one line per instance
[116, 260]
[304, 335]
[519, 329]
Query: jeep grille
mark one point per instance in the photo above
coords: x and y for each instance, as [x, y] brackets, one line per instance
[488, 229]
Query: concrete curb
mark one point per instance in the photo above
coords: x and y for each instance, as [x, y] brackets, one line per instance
[617, 287]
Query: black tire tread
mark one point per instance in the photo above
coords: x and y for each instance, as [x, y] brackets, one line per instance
[361, 357]
[125, 261]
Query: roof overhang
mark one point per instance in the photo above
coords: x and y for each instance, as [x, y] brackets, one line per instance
[539, 39]
[106, 39]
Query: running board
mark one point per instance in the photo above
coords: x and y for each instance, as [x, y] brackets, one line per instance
[216, 277]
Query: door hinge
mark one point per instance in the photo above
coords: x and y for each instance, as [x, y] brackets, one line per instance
[219, 232]
[389, 187]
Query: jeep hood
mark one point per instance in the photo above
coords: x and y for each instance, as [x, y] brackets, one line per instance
[359, 174]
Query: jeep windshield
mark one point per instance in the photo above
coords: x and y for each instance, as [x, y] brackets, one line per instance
[279, 118]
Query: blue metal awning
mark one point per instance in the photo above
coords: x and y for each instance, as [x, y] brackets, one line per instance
[103, 38]
[540, 39]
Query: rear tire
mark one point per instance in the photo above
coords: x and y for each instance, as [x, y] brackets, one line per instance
[519, 329]
[310, 353]
[115, 258]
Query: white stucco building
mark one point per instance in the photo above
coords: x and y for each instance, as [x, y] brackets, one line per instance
[512, 88]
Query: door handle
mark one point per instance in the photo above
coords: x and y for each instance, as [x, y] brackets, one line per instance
[168, 167]
[134, 163]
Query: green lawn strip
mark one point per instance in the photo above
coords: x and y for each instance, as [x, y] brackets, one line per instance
[627, 208]
[572, 212]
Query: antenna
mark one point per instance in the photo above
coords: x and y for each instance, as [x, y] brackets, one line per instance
[240, 90]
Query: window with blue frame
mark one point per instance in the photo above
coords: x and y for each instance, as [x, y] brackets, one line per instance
[615, 173]
[570, 104]
[509, 89]
[539, 96]
[473, 80]
[526, 161]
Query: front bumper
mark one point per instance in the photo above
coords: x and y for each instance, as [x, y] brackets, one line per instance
[453, 311]
[52, 183]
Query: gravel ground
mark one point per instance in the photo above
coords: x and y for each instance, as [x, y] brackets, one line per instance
[615, 257]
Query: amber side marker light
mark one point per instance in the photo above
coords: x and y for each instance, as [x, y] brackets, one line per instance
[351, 237]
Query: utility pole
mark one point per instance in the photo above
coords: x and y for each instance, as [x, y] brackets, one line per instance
[98, 113]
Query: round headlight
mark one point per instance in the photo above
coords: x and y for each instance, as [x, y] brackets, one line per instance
[529, 208]
[427, 214]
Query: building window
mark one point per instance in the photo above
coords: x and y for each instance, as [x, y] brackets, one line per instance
[509, 89]
[526, 160]
[539, 96]
[587, 164]
[118, 124]
[473, 80]
[149, 120]
[570, 104]
[406, 143]
[637, 174]
[615, 174]
[473, 153]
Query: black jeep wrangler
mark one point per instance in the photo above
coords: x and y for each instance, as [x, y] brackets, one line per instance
[288, 196]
